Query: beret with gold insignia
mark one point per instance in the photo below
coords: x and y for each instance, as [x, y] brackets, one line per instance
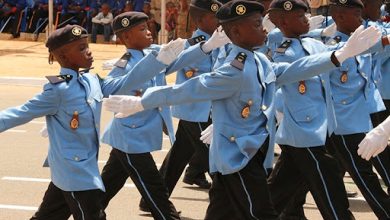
[347, 3]
[206, 5]
[65, 35]
[127, 20]
[237, 9]
[288, 5]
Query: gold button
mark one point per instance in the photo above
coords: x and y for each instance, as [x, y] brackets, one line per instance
[132, 126]
[307, 118]
[250, 102]
[263, 107]
[160, 109]
[76, 158]
[364, 75]
[344, 102]
[141, 90]
[375, 81]
[232, 138]
[90, 101]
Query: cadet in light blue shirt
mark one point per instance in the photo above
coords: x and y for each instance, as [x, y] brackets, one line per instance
[242, 92]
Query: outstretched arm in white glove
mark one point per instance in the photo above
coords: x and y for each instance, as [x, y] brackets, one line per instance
[207, 135]
[218, 39]
[360, 41]
[375, 141]
[123, 105]
[170, 51]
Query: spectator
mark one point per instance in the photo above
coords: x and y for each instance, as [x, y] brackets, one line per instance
[117, 6]
[153, 26]
[40, 11]
[171, 22]
[73, 12]
[102, 21]
[319, 7]
[128, 6]
[13, 9]
[185, 26]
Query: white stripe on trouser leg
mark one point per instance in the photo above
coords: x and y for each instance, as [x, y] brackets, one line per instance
[143, 185]
[323, 183]
[248, 196]
[79, 205]
[361, 179]
[383, 168]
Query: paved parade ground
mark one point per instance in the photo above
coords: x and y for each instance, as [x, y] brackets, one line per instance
[23, 180]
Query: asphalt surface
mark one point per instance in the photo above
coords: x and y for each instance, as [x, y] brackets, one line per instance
[23, 180]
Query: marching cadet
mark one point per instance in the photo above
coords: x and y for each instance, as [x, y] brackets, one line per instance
[194, 117]
[133, 138]
[371, 15]
[241, 91]
[71, 103]
[353, 95]
[308, 118]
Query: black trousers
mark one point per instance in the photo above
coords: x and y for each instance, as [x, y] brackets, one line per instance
[345, 148]
[143, 171]
[382, 161]
[242, 195]
[186, 147]
[59, 205]
[310, 168]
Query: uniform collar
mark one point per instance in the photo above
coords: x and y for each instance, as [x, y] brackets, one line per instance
[138, 54]
[199, 32]
[67, 71]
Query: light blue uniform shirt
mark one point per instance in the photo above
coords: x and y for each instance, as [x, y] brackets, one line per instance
[236, 139]
[142, 132]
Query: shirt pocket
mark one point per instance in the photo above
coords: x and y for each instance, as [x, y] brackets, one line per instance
[306, 114]
[76, 155]
[135, 121]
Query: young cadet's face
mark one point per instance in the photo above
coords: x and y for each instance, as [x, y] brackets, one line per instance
[372, 9]
[352, 19]
[77, 55]
[251, 32]
[295, 23]
[138, 37]
[209, 23]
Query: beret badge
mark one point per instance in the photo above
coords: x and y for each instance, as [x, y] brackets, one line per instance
[240, 9]
[288, 5]
[76, 31]
[125, 22]
[214, 7]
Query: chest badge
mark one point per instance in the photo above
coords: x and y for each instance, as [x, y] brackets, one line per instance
[302, 87]
[246, 111]
[344, 77]
[190, 73]
[74, 123]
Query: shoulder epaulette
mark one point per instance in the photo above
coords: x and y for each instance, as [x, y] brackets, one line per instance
[284, 46]
[195, 40]
[239, 61]
[85, 70]
[122, 62]
[334, 41]
[59, 78]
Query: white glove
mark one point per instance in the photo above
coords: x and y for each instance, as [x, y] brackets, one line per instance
[109, 64]
[170, 51]
[375, 141]
[360, 41]
[267, 24]
[123, 105]
[329, 31]
[44, 132]
[315, 22]
[218, 39]
[207, 135]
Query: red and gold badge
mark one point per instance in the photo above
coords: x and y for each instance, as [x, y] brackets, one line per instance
[344, 77]
[189, 73]
[74, 123]
[302, 87]
[245, 112]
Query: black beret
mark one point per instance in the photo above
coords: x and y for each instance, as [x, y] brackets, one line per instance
[288, 5]
[65, 35]
[237, 9]
[206, 5]
[348, 3]
[127, 20]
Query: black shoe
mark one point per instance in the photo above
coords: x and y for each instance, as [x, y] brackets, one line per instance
[143, 206]
[202, 183]
[352, 194]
